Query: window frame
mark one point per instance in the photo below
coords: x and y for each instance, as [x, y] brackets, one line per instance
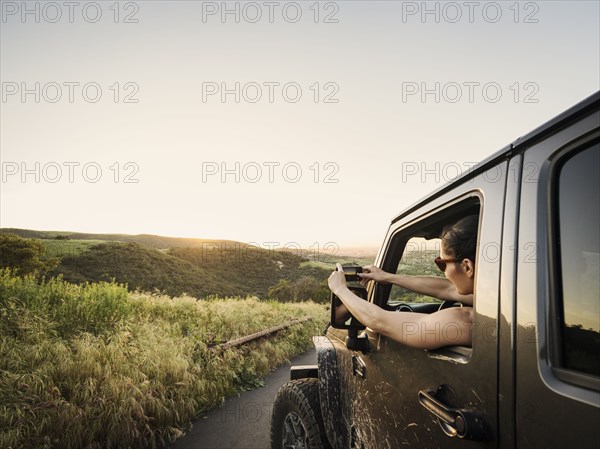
[551, 172]
[394, 250]
[396, 245]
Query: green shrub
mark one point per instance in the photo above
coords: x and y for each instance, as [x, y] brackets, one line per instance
[25, 256]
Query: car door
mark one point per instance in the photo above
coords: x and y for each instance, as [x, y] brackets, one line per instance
[558, 294]
[399, 389]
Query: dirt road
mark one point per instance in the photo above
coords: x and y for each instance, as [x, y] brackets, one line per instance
[242, 422]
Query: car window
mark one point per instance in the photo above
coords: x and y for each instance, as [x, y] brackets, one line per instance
[417, 260]
[413, 250]
[578, 242]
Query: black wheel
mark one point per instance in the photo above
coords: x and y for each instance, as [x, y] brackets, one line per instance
[297, 422]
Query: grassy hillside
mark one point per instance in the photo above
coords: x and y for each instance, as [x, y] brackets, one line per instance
[94, 366]
[252, 270]
[226, 271]
[177, 265]
[141, 268]
[147, 240]
[417, 263]
[162, 242]
[64, 248]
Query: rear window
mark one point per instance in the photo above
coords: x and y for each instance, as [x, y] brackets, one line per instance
[578, 240]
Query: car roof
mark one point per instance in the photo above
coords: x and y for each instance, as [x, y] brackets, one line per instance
[582, 108]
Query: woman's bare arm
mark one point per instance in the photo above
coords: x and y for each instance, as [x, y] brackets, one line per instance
[419, 330]
[440, 288]
[452, 326]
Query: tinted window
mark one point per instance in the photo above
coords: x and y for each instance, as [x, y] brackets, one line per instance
[579, 250]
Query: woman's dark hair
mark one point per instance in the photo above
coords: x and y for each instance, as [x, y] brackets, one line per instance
[460, 238]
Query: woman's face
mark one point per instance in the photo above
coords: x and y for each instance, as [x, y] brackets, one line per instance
[461, 274]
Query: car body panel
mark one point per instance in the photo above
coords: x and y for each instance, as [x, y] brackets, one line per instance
[544, 402]
[509, 378]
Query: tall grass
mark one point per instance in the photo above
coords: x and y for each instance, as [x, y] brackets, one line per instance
[93, 366]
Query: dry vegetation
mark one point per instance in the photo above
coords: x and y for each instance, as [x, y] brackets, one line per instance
[96, 366]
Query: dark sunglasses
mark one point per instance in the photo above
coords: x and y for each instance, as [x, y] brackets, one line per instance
[441, 263]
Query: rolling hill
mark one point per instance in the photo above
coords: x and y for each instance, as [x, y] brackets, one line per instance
[173, 265]
[148, 240]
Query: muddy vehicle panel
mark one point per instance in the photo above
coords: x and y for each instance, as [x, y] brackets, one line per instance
[531, 377]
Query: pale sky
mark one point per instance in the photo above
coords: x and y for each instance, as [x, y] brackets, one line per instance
[369, 60]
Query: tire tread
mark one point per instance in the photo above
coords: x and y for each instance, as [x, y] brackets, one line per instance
[303, 396]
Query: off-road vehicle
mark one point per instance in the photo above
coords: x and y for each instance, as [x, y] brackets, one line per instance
[531, 377]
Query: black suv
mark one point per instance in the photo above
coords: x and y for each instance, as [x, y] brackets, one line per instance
[531, 378]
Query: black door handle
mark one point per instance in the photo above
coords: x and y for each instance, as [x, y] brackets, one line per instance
[454, 422]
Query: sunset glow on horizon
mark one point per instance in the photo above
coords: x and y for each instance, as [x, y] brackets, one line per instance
[312, 124]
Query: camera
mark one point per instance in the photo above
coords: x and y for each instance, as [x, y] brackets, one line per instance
[351, 273]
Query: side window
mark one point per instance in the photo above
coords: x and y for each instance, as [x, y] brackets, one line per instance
[578, 249]
[417, 260]
[413, 251]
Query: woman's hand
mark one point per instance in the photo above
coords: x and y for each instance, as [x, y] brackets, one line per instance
[337, 280]
[372, 273]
